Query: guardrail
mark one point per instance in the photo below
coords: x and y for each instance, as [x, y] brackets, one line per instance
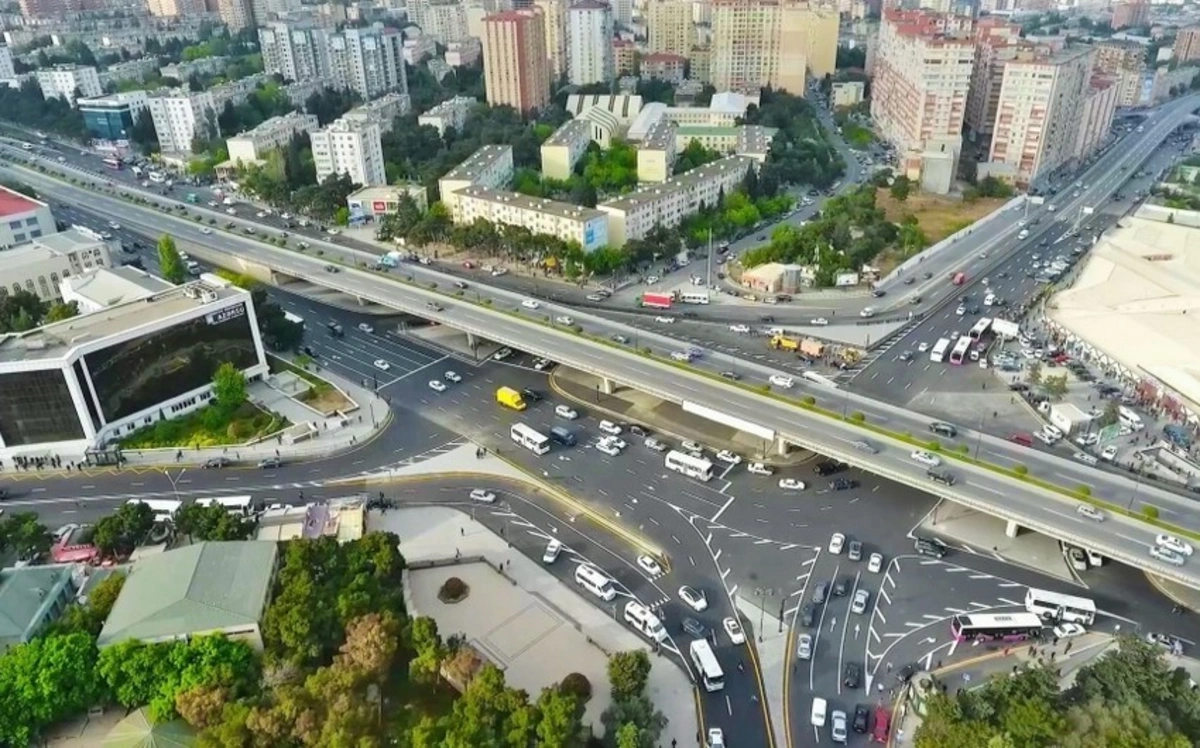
[430, 292]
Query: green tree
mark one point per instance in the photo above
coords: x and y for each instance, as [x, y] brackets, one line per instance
[1034, 374]
[24, 536]
[229, 387]
[60, 311]
[628, 736]
[21, 311]
[638, 711]
[119, 533]
[901, 188]
[212, 522]
[1111, 414]
[627, 673]
[1055, 387]
[428, 650]
[89, 618]
[559, 725]
[169, 260]
[44, 681]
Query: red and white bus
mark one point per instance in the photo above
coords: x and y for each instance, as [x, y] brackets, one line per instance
[658, 300]
[1009, 627]
[113, 163]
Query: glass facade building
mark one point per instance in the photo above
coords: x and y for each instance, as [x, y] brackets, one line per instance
[108, 123]
[141, 373]
[36, 407]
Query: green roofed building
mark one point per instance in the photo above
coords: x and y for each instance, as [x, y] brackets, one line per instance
[33, 597]
[206, 588]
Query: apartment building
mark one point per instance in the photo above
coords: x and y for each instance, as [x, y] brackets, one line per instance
[130, 70]
[664, 66]
[464, 53]
[349, 147]
[1040, 112]
[418, 47]
[297, 50]
[369, 61]
[758, 43]
[252, 145]
[66, 81]
[919, 94]
[181, 71]
[39, 264]
[743, 140]
[656, 152]
[554, 19]
[7, 72]
[1126, 61]
[236, 14]
[443, 20]
[995, 42]
[1130, 15]
[22, 219]
[1187, 44]
[623, 13]
[669, 27]
[491, 166]
[667, 204]
[515, 62]
[569, 222]
[624, 55]
[382, 111]
[450, 113]
[562, 150]
[111, 118]
[1099, 107]
[179, 116]
[589, 43]
[700, 64]
[847, 93]
[39, 9]
[175, 8]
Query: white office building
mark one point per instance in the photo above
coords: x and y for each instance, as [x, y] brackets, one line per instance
[353, 148]
[589, 43]
[250, 146]
[369, 61]
[297, 50]
[40, 265]
[22, 219]
[104, 287]
[65, 81]
[179, 115]
[449, 113]
[72, 386]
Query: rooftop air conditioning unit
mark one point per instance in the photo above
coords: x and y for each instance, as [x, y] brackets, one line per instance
[208, 296]
[191, 291]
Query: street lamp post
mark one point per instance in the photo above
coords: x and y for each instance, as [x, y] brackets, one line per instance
[763, 594]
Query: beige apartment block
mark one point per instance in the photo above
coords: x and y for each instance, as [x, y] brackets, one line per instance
[1125, 60]
[847, 93]
[632, 216]
[1040, 112]
[919, 94]
[1098, 110]
[995, 42]
[250, 146]
[656, 153]
[491, 166]
[757, 43]
[572, 223]
[669, 27]
[554, 18]
[515, 61]
[1187, 44]
[564, 148]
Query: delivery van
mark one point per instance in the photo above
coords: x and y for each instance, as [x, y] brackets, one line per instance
[510, 398]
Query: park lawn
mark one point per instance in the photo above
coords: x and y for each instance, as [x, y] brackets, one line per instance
[937, 216]
[200, 429]
[858, 136]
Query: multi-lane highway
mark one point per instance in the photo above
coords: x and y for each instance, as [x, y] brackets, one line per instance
[979, 487]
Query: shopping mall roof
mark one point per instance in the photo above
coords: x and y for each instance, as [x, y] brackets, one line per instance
[55, 341]
[1136, 300]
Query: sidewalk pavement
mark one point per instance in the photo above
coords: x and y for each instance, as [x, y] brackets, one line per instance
[666, 418]
[1177, 593]
[369, 416]
[1068, 655]
[437, 534]
[769, 647]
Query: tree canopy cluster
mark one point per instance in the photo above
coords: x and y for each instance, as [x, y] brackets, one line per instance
[23, 310]
[1129, 697]
[22, 535]
[801, 152]
[27, 107]
[851, 231]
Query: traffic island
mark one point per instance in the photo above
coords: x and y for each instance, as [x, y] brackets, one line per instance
[627, 404]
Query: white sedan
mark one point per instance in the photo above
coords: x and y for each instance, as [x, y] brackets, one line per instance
[564, 320]
[1068, 630]
[1109, 453]
[437, 385]
[664, 320]
[922, 347]
[791, 484]
[1090, 512]
[961, 310]
[836, 543]
[486, 497]
[451, 376]
[647, 564]
[607, 448]
[696, 599]
[566, 411]
[382, 365]
[726, 456]
[205, 230]
[758, 468]
[531, 304]
[925, 458]
[609, 428]
[1172, 543]
[875, 564]
[734, 631]
[780, 380]
[819, 322]
[740, 329]
[366, 328]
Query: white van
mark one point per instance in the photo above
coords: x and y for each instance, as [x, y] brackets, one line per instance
[641, 619]
[1129, 419]
[594, 581]
[989, 299]
[819, 709]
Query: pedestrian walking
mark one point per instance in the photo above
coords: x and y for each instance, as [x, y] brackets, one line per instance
[462, 531]
[741, 666]
[889, 667]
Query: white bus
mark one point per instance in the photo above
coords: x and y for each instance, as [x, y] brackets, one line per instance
[294, 318]
[707, 666]
[693, 467]
[816, 378]
[938, 354]
[529, 439]
[1059, 607]
[981, 327]
[694, 297]
[595, 581]
[164, 510]
[961, 348]
[239, 505]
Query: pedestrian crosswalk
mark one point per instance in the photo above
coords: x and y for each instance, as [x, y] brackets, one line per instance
[848, 374]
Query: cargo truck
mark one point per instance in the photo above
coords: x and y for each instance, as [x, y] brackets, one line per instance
[658, 300]
[510, 398]
[1068, 418]
[784, 343]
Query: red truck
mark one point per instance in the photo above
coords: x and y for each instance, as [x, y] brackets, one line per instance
[658, 300]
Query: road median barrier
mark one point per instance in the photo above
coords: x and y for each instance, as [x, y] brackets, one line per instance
[1148, 516]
